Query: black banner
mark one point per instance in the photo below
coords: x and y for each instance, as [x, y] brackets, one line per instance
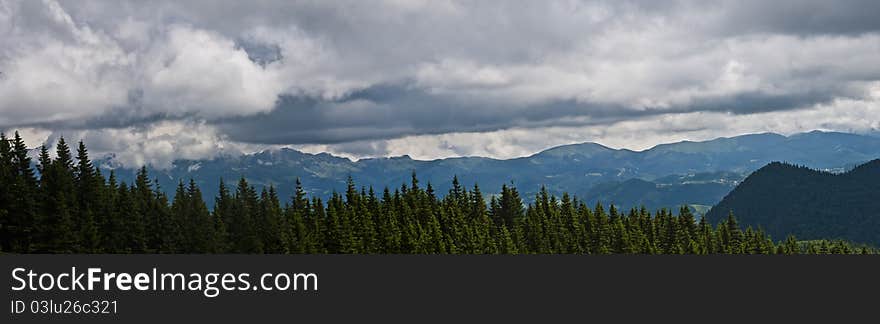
[419, 288]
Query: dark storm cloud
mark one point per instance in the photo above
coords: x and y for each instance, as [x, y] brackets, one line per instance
[389, 111]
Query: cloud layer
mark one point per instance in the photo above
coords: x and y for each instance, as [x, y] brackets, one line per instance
[431, 78]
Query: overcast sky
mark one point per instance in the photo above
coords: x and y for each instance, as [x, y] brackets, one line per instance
[154, 81]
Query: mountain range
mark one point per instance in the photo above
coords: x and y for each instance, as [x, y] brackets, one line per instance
[810, 204]
[667, 175]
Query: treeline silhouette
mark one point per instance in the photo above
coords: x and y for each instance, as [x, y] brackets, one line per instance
[66, 205]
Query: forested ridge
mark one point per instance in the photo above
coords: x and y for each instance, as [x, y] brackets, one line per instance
[66, 205]
[812, 204]
[667, 175]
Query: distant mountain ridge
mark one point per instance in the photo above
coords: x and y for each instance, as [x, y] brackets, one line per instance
[696, 190]
[575, 168]
[810, 204]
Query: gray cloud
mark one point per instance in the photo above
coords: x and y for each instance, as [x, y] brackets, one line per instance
[801, 17]
[349, 74]
[389, 111]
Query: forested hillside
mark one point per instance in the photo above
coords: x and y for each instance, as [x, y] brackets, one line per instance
[682, 173]
[67, 205]
[785, 198]
[691, 190]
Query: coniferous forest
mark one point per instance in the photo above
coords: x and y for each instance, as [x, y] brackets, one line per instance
[66, 205]
[791, 199]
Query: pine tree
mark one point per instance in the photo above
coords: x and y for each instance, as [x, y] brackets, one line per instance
[367, 209]
[734, 241]
[8, 230]
[574, 227]
[336, 238]
[300, 237]
[318, 226]
[112, 224]
[243, 229]
[142, 217]
[505, 242]
[389, 228]
[201, 219]
[24, 193]
[510, 207]
[687, 227]
[706, 237]
[601, 231]
[193, 220]
[271, 223]
[88, 200]
[125, 211]
[172, 236]
[55, 227]
[222, 216]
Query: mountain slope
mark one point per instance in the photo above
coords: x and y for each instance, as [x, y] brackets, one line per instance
[783, 198]
[666, 192]
[573, 168]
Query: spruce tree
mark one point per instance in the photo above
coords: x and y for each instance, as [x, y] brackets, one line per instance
[55, 226]
[222, 216]
[88, 189]
[112, 223]
[271, 223]
[8, 230]
[297, 216]
[505, 242]
[142, 219]
[389, 227]
[244, 231]
[24, 196]
[171, 234]
[735, 235]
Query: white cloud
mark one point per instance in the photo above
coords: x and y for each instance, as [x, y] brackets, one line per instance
[65, 72]
[158, 144]
[199, 72]
[59, 72]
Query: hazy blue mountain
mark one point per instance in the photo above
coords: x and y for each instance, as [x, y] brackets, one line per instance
[787, 199]
[696, 190]
[576, 169]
